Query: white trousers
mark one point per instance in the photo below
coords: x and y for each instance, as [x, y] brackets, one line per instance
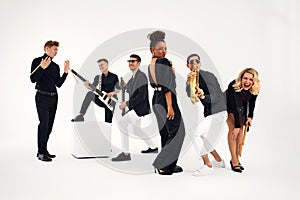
[208, 131]
[132, 118]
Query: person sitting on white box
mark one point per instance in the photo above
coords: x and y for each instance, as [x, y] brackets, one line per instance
[107, 82]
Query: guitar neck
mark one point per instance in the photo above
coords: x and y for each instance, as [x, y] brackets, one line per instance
[79, 76]
[83, 79]
[102, 95]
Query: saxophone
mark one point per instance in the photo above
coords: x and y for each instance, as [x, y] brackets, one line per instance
[194, 83]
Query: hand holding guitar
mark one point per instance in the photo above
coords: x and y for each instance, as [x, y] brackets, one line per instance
[86, 84]
[110, 94]
[122, 105]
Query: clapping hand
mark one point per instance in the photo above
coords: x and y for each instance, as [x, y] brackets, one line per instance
[67, 66]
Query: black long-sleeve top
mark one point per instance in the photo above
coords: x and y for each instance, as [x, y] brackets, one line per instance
[237, 103]
[46, 79]
[215, 100]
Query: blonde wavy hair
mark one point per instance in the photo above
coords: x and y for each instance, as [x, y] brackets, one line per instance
[256, 82]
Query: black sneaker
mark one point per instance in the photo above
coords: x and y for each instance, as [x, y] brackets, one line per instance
[122, 157]
[44, 157]
[78, 118]
[149, 150]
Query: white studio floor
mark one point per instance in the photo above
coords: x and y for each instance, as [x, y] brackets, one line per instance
[271, 171]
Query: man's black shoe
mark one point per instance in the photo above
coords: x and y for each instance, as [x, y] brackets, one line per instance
[48, 154]
[44, 157]
[51, 155]
[149, 150]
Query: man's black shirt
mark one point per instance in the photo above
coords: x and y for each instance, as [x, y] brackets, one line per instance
[46, 79]
[108, 83]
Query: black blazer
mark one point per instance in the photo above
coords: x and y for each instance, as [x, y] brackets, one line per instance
[137, 89]
[215, 100]
[237, 107]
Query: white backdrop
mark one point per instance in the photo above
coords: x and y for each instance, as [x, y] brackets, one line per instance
[235, 34]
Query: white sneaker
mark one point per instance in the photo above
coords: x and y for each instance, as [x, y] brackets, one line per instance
[204, 171]
[220, 164]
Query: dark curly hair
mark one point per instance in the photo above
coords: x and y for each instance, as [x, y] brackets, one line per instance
[155, 37]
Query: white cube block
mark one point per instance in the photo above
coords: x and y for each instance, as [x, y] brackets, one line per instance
[91, 140]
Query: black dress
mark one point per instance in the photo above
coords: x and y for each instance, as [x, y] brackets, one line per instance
[172, 132]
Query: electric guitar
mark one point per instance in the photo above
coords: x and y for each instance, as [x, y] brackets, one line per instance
[108, 101]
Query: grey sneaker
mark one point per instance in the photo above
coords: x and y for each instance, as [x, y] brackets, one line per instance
[122, 157]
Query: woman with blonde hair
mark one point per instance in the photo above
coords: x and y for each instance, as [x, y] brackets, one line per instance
[241, 96]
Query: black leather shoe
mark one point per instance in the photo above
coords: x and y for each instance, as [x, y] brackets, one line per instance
[78, 118]
[177, 169]
[44, 157]
[48, 154]
[149, 150]
[51, 155]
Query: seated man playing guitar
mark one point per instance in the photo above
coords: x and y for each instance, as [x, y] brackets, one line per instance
[107, 82]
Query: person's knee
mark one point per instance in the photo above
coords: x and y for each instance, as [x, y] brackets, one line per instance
[230, 126]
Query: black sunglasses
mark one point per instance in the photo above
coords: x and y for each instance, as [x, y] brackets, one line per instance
[192, 61]
[131, 61]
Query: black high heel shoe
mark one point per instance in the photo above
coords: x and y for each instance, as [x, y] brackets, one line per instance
[163, 171]
[241, 167]
[235, 168]
[177, 169]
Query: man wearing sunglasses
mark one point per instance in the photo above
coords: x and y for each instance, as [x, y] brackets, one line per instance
[107, 82]
[138, 105]
[208, 130]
